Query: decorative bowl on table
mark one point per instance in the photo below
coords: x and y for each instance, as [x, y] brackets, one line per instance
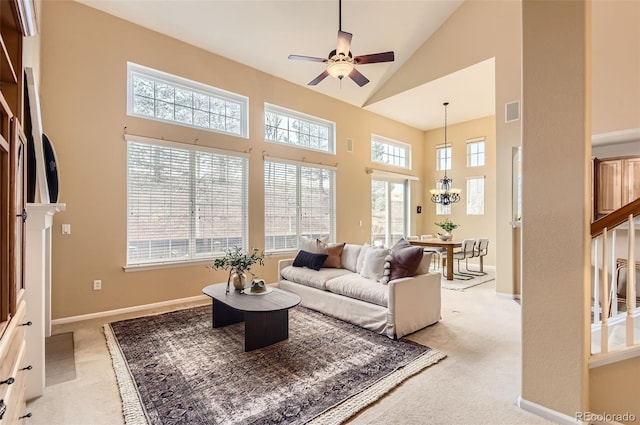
[445, 237]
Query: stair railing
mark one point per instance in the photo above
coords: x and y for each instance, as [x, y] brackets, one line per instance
[605, 314]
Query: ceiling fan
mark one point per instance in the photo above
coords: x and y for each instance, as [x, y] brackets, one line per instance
[341, 62]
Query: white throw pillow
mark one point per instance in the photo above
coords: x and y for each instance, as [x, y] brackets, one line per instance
[373, 265]
[310, 245]
[361, 255]
[423, 268]
[350, 255]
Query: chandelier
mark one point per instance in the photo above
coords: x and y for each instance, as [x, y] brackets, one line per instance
[443, 193]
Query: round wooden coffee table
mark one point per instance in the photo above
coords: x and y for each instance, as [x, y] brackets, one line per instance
[266, 317]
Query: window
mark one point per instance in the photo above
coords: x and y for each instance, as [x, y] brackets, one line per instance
[443, 158]
[475, 153]
[299, 200]
[183, 203]
[390, 152]
[475, 195]
[160, 96]
[295, 128]
[443, 209]
[389, 200]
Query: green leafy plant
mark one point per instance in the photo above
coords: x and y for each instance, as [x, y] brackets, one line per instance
[237, 261]
[447, 225]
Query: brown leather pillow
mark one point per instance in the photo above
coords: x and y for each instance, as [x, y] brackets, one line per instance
[334, 254]
[405, 259]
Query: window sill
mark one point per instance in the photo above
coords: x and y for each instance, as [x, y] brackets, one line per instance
[157, 266]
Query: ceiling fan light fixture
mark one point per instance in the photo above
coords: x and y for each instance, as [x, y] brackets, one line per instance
[340, 68]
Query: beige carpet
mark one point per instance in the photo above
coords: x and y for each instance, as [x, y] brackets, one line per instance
[459, 284]
[479, 382]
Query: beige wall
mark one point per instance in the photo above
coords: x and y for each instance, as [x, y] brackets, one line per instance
[83, 97]
[615, 65]
[555, 234]
[615, 388]
[471, 226]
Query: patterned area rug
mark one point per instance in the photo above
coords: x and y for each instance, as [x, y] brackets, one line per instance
[461, 285]
[174, 368]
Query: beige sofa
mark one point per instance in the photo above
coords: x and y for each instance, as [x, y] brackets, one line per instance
[356, 291]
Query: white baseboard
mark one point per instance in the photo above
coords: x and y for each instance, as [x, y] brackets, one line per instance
[100, 314]
[545, 412]
[509, 296]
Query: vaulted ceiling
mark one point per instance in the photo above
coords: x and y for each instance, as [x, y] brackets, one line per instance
[262, 33]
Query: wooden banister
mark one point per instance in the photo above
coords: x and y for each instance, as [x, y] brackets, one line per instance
[615, 218]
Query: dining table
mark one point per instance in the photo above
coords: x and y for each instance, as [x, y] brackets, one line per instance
[448, 246]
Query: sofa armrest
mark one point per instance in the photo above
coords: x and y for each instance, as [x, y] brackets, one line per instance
[282, 264]
[415, 302]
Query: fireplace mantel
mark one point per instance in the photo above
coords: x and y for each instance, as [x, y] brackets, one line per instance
[38, 290]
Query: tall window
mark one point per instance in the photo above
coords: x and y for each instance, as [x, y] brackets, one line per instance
[183, 203]
[295, 128]
[160, 96]
[443, 158]
[389, 200]
[390, 152]
[299, 200]
[475, 153]
[475, 195]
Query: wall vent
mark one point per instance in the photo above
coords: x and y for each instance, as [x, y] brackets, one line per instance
[512, 111]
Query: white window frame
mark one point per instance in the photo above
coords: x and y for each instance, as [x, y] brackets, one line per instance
[480, 141]
[393, 178]
[475, 195]
[192, 254]
[393, 152]
[448, 154]
[194, 87]
[297, 231]
[306, 119]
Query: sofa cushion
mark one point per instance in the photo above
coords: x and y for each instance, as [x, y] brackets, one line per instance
[405, 259]
[373, 264]
[353, 285]
[334, 254]
[311, 278]
[350, 257]
[309, 259]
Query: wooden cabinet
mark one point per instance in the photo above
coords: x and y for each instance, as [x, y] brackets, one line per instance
[616, 183]
[14, 323]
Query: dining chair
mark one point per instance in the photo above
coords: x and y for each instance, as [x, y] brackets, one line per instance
[466, 251]
[480, 250]
[434, 250]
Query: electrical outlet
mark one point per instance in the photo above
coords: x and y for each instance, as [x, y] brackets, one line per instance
[97, 285]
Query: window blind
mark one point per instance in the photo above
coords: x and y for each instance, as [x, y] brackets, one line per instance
[299, 201]
[184, 203]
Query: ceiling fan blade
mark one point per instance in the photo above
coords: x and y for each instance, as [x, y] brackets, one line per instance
[374, 58]
[344, 43]
[319, 78]
[359, 79]
[307, 58]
